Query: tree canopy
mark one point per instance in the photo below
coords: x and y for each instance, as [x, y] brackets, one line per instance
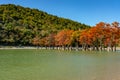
[20, 25]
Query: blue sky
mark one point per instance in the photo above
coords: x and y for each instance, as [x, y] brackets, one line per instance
[85, 11]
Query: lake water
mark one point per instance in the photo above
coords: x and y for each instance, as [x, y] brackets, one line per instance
[58, 65]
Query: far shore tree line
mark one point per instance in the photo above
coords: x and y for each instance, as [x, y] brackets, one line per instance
[20, 26]
[103, 36]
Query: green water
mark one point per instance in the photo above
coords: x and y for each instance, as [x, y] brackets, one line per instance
[58, 65]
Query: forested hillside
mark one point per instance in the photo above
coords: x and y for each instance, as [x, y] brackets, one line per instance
[19, 25]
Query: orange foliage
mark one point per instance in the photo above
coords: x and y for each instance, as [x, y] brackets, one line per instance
[102, 33]
[63, 37]
[36, 41]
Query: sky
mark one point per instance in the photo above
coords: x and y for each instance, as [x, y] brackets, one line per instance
[89, 12]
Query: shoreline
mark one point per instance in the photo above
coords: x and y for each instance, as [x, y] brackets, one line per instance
[12, 47]
[31, 47]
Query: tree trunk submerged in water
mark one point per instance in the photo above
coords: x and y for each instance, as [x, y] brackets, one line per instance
[63, 47]
[77, 47]
[84, 47]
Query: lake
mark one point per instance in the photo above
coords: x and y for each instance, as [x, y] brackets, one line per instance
[59, 65]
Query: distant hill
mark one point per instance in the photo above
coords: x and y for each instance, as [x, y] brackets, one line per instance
[19, 25]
